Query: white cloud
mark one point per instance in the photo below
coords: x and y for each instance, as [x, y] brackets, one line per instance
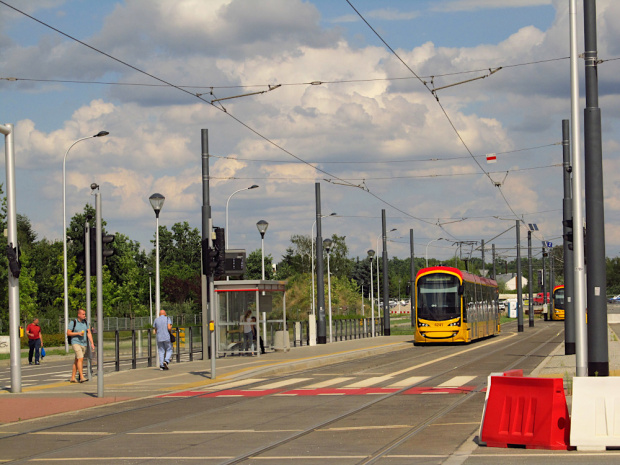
[472, 5]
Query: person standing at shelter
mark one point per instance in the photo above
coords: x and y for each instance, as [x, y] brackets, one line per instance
[246, 324]
[35, 342]
[162, 327]
[80, 336]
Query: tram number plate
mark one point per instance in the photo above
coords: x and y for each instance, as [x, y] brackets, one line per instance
[437, 324]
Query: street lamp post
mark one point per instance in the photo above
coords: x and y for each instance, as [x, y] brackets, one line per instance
[262, 226]
[429, 243]
[64, 229]
[157, 202]
[371, 254]
[327, 243]
[254, 186]
[312, 255]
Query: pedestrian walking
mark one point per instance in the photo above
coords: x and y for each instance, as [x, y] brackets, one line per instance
[80, 338]
[35, 342]
[246, 323]
[162, 327]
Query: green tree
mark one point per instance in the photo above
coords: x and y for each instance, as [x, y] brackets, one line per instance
[253, 266]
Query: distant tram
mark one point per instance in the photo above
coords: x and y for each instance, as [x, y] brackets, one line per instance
[452, 305]
[558, 303]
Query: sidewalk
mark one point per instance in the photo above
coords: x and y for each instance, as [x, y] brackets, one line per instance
[127, 385]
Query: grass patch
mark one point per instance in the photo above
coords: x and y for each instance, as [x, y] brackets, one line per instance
[24, 354]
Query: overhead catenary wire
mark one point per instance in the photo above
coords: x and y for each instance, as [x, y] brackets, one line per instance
[451, 123]
[222, 109]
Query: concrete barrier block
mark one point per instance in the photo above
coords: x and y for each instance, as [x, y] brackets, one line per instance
[595, 414]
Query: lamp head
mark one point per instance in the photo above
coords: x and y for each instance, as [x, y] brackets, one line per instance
[101, 134]
[157, 202]
[327, 243]
[371, 253]
[94, 186]
[253, 186]
[262, 226]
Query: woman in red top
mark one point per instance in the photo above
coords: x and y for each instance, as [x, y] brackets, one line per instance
[35, 342]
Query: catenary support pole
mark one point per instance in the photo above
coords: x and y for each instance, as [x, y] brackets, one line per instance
[598, 356]
[99, 265]
[531, 280]
[581, 332]
[320, 275]
[11, 223]
[519, 283]
[412, 279]
[567, 214]
[208, 310]
[386, 284]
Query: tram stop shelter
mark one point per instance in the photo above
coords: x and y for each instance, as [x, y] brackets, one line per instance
[266, 300]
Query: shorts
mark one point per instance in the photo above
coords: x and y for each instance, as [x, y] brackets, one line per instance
[79, 350]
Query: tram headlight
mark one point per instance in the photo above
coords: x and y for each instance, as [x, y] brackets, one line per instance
[456, 323]
[423, 325]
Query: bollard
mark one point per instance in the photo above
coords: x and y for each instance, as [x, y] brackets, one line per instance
[176, 330]
[133, 349]
[191, 345]
[150, 348]
[117, 350]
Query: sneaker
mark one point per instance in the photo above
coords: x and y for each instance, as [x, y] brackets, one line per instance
[30, 363]
[161, 368]
[165, 365]
[36, 363]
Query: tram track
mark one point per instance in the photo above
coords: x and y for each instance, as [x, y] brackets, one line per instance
[441, 353]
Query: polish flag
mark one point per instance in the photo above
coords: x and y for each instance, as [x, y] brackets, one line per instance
[491, 158]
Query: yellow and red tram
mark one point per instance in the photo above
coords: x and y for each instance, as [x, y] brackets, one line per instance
[453, 305]
[558, 303]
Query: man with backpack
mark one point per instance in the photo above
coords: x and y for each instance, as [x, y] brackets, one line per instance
[79, 337]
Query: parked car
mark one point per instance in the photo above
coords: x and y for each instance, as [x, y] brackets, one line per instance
[615, 299]
[501, 305]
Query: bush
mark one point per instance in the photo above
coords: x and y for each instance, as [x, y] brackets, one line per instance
[49, 340]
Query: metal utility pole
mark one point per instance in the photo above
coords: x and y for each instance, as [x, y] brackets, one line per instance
[531, 281]
[567, 213]
[386, 284]
[87, 279]
[544, 276]
[482, 248]
[11, 225]
[598, 356]
[208, 310]
[99, 262]
[411, 279]
[581, 333]
[493, 255]
[321, 337]
[519, 283]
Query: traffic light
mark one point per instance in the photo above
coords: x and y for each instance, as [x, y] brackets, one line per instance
[106, 239]
[106, 251]
[14, 264]
[219, 244]
[568, 237]
[92, 234]
[213, 258]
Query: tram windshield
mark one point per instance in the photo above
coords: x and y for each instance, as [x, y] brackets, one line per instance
[559, 299]
[438, 297]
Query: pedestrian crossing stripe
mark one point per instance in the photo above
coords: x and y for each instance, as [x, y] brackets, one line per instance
[455, 385]
[320, 392]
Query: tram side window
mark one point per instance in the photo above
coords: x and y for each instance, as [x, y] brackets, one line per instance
[469, 301]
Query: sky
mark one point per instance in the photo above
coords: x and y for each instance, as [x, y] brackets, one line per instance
[358, 106]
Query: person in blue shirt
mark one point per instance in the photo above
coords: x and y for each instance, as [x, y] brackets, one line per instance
[162, 327]
[80, 335]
